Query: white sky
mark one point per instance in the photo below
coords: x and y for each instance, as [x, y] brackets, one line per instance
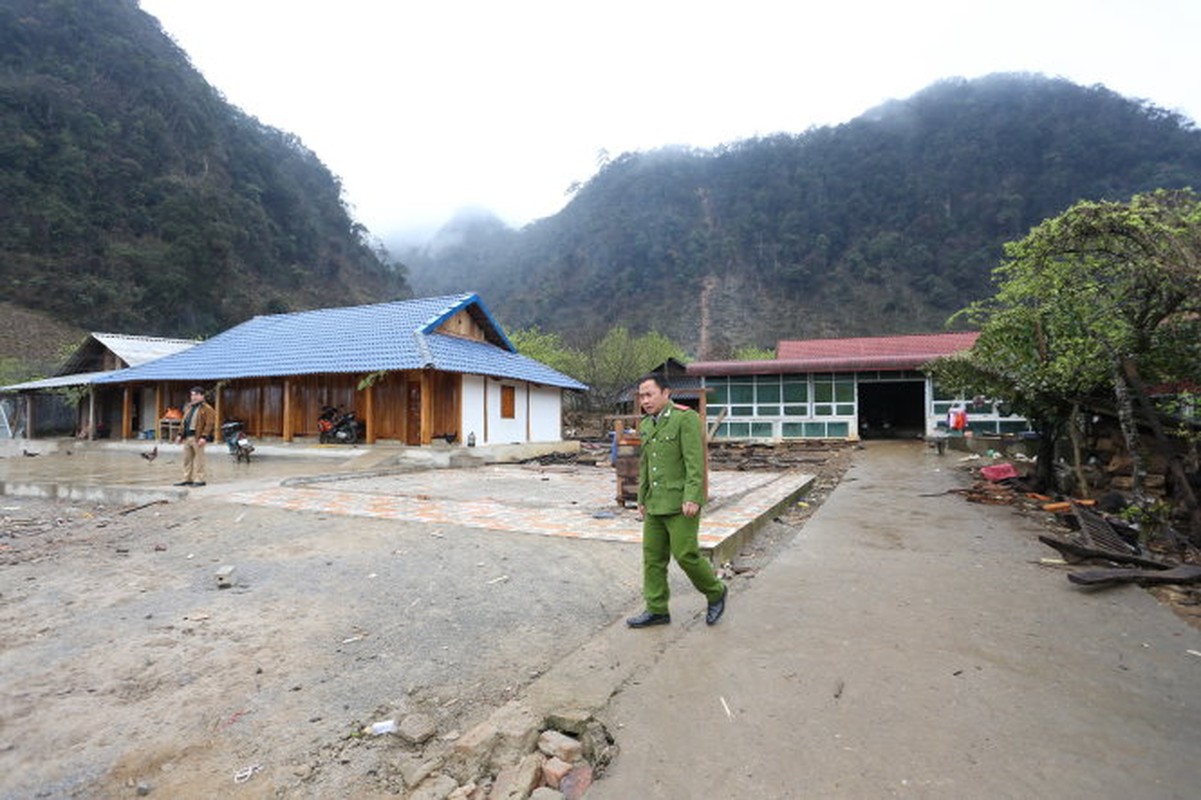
[422, 107]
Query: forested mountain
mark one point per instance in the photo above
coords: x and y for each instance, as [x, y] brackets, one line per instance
[886, 224]
[134, 198]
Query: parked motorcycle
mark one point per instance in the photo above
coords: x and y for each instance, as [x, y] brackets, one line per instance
[236, 440]
[336, 427]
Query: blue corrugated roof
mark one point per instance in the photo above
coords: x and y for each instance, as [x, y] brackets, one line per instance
[358, 339]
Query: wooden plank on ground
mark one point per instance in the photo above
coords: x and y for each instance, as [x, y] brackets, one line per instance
[1185, 573]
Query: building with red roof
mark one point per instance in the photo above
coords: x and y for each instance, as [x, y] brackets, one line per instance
[863, 387]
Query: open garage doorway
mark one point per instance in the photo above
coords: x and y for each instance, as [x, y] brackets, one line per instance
[892, 410]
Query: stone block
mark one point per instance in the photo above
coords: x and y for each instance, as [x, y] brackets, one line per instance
[576, 783]
[554, 770]
[554, 743]
[437, 787]
[517, 732]
[473, 752]
[569, 720]
[416, 728]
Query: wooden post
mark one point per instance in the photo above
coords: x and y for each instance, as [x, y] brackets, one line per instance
[287, 422]
[427, 407]
[160, 408]
[369, 413]
[91, 413]
[30, 428]
[126, 411]
[217, 411]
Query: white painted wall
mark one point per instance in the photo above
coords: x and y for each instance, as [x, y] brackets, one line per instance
[546, 414]
[473, 409]
[538, 411]
[506, 431]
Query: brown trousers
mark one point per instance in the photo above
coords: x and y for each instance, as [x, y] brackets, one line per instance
[194, 467]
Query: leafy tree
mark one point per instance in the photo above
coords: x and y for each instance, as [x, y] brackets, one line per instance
[1104, 297]
[614, 361]
[549, 349]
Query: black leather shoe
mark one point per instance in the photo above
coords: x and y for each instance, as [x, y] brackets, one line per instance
[715, 610]
[199, 483]
[646, 619]
[184, 483]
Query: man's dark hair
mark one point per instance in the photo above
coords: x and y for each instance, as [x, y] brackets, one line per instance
[197, 390]
[657, 379]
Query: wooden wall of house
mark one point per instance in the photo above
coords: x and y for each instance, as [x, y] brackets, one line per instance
[260, 404]
[390, 404]
[462, 324]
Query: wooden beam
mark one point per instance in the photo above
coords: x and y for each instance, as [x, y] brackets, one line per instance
[91, 413]
[369, 413]
[287, 421]
[427, 407]
[126, 411]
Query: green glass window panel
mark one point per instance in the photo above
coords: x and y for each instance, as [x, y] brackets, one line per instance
[823, 411]
[844, 392]
[742, 394]
[745, 379]
[739, 428]
[719, 395]
[815, 429]
[713, 412]
[796, 411]
[839, 429]
[796, 393]
[742, 411]
[1013, 426]
[844, 410]
[769, 393]
[792, 430]
[723, 430]
[761, 430]
[942, 407]
[769, 411]
[823, 392]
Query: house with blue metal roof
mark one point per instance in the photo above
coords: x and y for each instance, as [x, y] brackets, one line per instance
[412, 370]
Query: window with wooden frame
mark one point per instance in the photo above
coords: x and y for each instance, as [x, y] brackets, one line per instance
[508, 402]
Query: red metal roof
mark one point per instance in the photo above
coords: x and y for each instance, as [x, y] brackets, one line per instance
[843, 355]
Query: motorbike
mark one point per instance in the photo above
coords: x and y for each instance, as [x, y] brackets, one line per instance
[336, 427]
[236, 440]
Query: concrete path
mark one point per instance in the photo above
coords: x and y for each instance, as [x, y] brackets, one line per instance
[909, 644]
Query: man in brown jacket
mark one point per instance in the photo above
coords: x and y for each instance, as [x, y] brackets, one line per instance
[199, 427]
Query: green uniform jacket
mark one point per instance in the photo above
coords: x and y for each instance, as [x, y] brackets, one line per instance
[671, 471]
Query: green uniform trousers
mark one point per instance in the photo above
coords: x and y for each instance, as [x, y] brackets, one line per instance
[667, 536]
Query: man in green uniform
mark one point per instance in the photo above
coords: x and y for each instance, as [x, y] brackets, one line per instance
[671, 481]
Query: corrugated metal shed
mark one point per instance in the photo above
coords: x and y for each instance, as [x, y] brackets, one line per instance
[133, 350]
[80, 367]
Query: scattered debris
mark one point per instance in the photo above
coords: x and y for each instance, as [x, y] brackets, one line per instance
[140, 506]
[1183, 574]
[224, 576]
[243, 775]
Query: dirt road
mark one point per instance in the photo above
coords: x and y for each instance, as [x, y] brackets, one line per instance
[892, 644]
[122, 662]
[910, 644]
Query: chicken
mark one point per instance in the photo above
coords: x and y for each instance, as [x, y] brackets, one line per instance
[153, 454]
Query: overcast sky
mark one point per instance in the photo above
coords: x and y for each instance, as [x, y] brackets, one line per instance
[422, 107]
